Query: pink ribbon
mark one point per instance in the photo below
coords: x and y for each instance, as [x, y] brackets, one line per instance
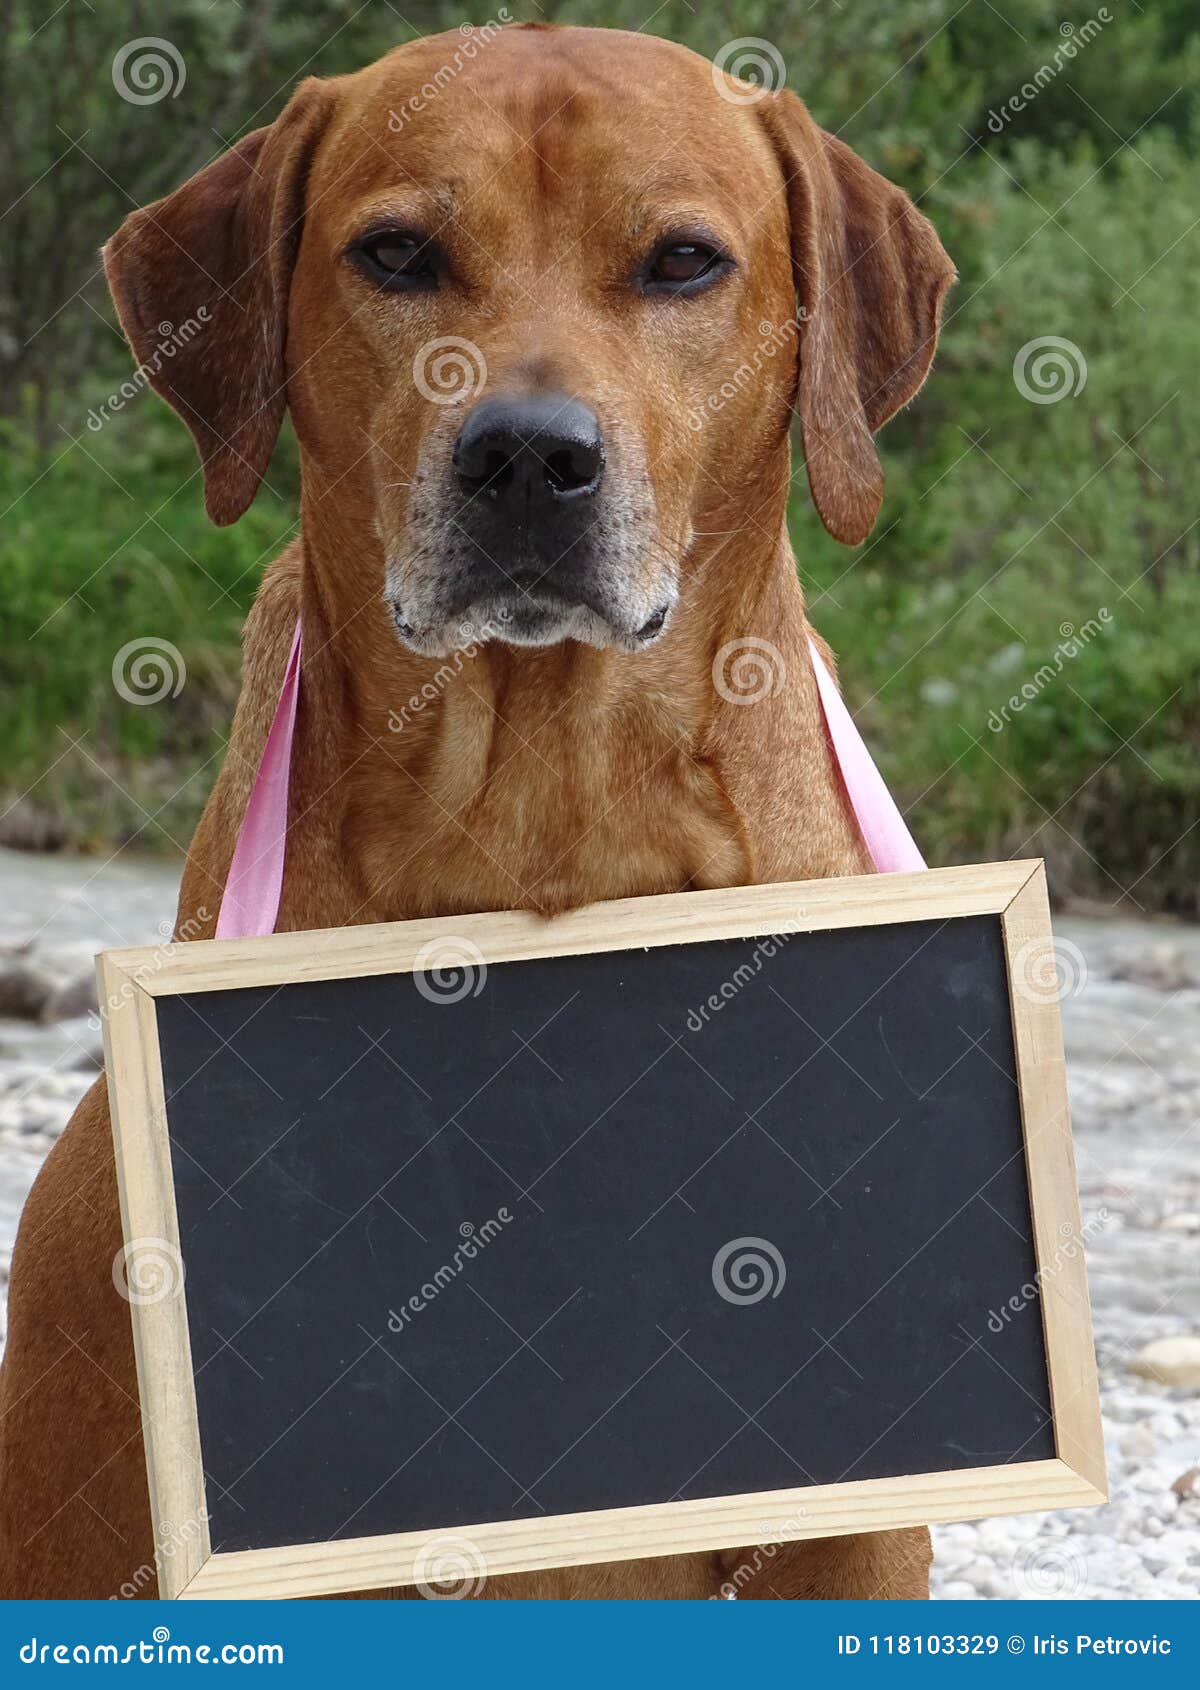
[888, 841]
[250, 904]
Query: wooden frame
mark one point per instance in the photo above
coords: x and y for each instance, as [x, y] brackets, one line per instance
[131, 980]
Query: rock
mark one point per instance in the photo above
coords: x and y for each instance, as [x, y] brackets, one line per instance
[1171, 1361]
[1187, 1485]
[1138, 1441]
[958, 1590]
[71, 997]
[24, 984]
[1164, 967]
[1173, 1549]
[52, 985]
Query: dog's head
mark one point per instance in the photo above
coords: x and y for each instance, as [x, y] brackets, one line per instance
[542, 301]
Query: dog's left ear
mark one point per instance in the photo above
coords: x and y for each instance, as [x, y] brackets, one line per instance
[201, 279]
[870, 274]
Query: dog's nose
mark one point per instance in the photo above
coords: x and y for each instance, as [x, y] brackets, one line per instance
[529, 454]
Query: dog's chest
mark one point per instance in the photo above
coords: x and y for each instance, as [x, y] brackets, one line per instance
[544, 821]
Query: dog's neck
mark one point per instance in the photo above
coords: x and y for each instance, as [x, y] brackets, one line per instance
[502, 777]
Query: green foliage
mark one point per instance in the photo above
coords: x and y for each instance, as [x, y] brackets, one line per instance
[1009, 526]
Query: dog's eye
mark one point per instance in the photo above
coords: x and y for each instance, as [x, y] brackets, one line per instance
[396, 260]
[684, 266]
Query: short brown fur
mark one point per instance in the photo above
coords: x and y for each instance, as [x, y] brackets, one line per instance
[538, 779]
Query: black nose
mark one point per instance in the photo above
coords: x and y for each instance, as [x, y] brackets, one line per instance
[530, 453]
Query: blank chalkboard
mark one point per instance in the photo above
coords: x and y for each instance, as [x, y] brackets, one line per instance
[494, 1237]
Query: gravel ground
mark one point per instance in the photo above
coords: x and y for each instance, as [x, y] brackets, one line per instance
[1131, 1017]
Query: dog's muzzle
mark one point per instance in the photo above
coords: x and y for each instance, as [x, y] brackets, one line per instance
[539, 542]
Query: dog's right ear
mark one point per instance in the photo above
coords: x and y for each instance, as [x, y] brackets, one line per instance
[200, 280]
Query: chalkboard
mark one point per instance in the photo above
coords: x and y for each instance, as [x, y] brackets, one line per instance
[494, 1240]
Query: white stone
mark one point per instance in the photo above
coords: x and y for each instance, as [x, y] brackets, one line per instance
[1171, 1361]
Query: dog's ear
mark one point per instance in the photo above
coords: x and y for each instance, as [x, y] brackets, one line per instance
[200, 280]
[870, 274]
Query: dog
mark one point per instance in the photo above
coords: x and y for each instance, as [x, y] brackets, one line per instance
[541, 303]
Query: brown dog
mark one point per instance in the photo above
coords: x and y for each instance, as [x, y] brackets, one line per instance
[566, 551]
